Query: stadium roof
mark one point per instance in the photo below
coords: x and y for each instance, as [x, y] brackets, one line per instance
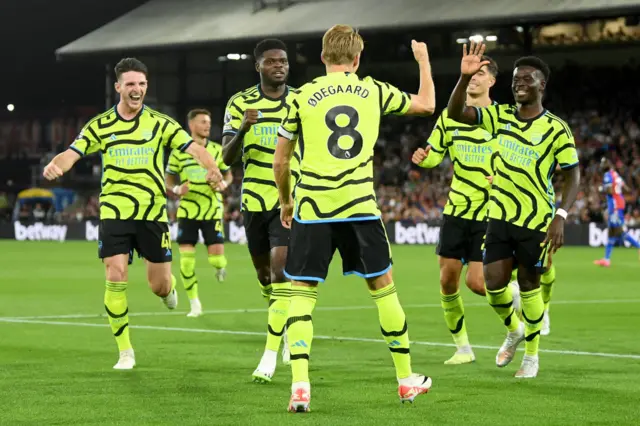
[166, 23]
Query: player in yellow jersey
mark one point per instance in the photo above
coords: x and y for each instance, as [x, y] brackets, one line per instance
[131, 138]
[335, 119]
[200, 209]
[523, 220]
[465, 214]
[250, 133]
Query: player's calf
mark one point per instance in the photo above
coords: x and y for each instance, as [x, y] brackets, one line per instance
[163, 283]
[475, 279]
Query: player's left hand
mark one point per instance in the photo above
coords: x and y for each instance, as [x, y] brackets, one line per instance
[286, 214]
[555, 237]
[420, 51]
[489, 179]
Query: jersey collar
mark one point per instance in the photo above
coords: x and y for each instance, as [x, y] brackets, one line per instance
[115, 109]
[529, 120]
[264, 95]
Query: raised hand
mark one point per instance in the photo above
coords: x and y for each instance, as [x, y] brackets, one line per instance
[52, 171]
[472, 61]
[249, 119]
[419, 51]
[420, 155]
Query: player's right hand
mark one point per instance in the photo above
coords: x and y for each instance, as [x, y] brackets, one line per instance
[52, 171]
[420, 155]
[472, 61]
[249, 119]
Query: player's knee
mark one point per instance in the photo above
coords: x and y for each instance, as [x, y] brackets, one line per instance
[449, 278]
[496, 277]
[380, 282]
[116, 271]
[277, 275]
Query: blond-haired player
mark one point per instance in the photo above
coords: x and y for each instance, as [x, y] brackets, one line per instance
[335, 204]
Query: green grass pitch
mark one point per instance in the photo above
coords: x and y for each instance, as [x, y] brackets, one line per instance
[57, 351]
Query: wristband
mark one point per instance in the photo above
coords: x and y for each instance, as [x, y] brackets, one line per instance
[562, 213]
[176, 189]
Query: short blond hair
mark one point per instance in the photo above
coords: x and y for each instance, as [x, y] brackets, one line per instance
[341, 44]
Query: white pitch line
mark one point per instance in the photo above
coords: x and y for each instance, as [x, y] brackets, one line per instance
[321, 337]
[320, 308]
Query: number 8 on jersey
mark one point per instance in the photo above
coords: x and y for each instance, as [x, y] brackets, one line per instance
[333, 144]
[337, 119]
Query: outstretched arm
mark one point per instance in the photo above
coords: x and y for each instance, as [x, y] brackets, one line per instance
[61, 164]
[204, 158]
[471, 64]
[424, 103]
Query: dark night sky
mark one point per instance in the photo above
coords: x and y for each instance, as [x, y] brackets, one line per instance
[31, 31]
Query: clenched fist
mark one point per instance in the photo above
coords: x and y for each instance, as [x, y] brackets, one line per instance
[52, 171]
[420, 155]
[419, 51]
[249, 119]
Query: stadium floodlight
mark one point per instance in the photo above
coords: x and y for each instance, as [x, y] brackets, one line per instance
[461, 40]
[10, 107]
[233, 56]
[243, 56]
[492, 38]
[476, 38]
[519, 29]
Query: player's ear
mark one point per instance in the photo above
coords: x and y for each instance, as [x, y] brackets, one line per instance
[356, 62]
[257, 65]
[117, 86]
[492, 81]
[322, 58]
[543, 84]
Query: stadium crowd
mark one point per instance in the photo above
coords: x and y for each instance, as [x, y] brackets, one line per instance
[601, 112]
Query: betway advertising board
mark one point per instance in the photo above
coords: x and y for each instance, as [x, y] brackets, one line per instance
[409, 233]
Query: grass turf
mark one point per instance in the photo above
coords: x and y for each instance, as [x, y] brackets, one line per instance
[57, 370]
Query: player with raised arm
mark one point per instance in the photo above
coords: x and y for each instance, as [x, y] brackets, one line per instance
[465, 214]
[131, 138]
[250, 133]
[336, 119]
[200, 209]
[613, 185]
[523, 220]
